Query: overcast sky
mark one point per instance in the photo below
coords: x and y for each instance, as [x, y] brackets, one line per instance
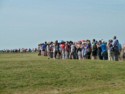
[25, 23]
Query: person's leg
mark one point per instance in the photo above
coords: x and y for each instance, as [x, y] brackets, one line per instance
[51, 54]
[100, 56]
[123, 56]
[79, 55]
[66, 55]
[120, 55]
[39, 53]
[71, 55]
[112, 56]
[48, 54]
[94, 55]
[55, 54]
[44, 53]
[109, 56]
[60, 55]
[89, 55]
[116, 57]
[83, 56]
[105, 56]
[63, 54]
[75, 55]
[116, 54]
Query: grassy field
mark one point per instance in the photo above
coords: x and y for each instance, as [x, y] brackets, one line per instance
[30, 74]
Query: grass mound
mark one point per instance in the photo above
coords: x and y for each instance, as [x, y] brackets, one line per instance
[30, 74]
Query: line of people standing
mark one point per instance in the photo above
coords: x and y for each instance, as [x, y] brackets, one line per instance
[84, 49]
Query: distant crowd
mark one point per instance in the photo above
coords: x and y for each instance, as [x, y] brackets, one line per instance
[22, 50]
[84, 49]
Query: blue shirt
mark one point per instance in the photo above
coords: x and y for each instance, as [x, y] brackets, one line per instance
[104, 47]
[120, 47]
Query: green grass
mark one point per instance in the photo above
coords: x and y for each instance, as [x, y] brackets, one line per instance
[30, 74]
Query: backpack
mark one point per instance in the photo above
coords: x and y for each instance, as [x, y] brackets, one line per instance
[116, 45]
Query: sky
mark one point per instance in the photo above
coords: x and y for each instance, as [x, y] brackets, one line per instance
[26, 23]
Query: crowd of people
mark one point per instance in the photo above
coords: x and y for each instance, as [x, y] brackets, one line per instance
[20, 50]
[85, 49]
